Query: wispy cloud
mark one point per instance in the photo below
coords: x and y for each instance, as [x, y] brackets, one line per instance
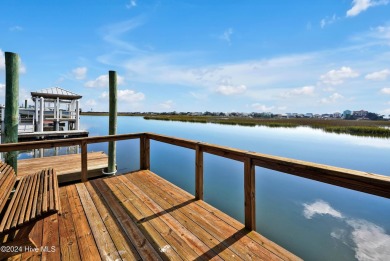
[167, 105]
[370, 240]
[228, 89]
[305, 90]
[262, 107]
[385, 90]
[226, 35]
[335, 97]
[16, 28]
[131, 4]
[102, 81]
[80, 73]
[378, 76]
[328, 20]
[359, 6]
[336, 77]
[126, 95]
[114, 34]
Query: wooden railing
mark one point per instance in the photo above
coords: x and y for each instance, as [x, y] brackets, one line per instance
[361, 181]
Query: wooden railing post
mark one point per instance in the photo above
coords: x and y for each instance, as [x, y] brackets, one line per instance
[144, 153]
[84, 162]
[199, 172]
[249, 192]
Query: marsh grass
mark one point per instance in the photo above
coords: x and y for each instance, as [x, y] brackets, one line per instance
[352, 127]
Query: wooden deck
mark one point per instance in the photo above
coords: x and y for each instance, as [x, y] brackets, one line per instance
[140, 216]
[68, 167]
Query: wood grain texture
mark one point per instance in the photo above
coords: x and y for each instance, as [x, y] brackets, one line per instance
[65, 171]
[140, 216]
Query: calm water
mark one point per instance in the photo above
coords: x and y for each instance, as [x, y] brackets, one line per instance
[313, 220]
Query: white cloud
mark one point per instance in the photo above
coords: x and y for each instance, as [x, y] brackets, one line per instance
[305, 90]
[262, 107]
[129, 96]
[16, 28]
[167, 104]
[80, 73]
[385, 90]
[359, 6]
[328, 20]
[131, 4]
[332, 98]
[378, 76]
[227, 89]
[335, 77]
[102, 81]
[382, 32]
[370, 241]
[226, 35]
[320, 207]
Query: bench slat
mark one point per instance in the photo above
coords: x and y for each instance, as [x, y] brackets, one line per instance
[40, 195]
[51, 190]
[31, 199]
[45, 189]
[19, 204]
[7, 183]
[25, 200]
[35, 199]
[6, 222]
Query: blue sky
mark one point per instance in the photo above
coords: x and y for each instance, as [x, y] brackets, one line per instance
[280, 56]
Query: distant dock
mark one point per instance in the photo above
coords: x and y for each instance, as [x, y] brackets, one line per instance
[50, 135]
[68, 167]
[54, 115]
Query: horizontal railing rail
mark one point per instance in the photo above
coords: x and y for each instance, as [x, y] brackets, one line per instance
[356, 180]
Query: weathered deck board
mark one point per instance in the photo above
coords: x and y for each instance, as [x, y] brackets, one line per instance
[68, 167]
[140, 216]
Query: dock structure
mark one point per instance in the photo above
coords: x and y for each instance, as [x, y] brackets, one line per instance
[141, 216]
[66, 172]
[54, 115]
[62, 105]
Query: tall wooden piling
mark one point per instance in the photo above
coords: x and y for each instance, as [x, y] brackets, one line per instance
[11, 105]
[112, 118]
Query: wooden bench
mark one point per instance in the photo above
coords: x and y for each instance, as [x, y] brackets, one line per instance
[35, 197]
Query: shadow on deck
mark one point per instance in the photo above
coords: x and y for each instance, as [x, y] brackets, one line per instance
[140, 216]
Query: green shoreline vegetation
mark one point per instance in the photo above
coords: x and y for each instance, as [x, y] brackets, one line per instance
[371, 128]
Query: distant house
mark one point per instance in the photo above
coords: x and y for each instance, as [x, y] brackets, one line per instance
[337, 115]
[361, 113]
[347, 113]
[309, 115]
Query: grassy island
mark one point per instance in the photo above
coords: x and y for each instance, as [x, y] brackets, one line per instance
[371, 128]
[353, 127]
